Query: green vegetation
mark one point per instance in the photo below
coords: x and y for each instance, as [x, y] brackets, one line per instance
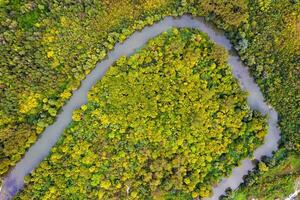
[47, 47]
[168, 121]
[269, 43]
[272, 179]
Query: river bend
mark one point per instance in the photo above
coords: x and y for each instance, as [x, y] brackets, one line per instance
[15, 179]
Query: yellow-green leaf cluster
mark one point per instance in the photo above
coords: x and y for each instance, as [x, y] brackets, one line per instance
[170, 119]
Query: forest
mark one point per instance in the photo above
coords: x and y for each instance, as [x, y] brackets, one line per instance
[273, 178]
[169, 119]
[48, 47]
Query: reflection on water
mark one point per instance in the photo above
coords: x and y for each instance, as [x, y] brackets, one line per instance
[15, 180]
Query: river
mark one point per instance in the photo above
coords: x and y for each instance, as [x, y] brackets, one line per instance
[15, 179]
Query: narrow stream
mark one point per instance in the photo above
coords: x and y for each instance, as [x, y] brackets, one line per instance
[15, 180]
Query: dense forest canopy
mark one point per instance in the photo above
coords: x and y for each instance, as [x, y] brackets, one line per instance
[47, 47]
[274, 178]
[169, 119]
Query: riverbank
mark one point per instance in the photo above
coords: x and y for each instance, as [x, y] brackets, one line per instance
[40, 149]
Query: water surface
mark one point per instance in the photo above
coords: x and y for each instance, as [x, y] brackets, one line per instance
[15, 179]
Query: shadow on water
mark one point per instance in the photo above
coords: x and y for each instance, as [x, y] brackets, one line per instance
[15, 179]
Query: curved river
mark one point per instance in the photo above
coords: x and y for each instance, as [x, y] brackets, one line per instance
[15, 180]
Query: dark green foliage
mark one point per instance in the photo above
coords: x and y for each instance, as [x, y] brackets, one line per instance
[274, 178]
[272, 51]
[268, 41]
